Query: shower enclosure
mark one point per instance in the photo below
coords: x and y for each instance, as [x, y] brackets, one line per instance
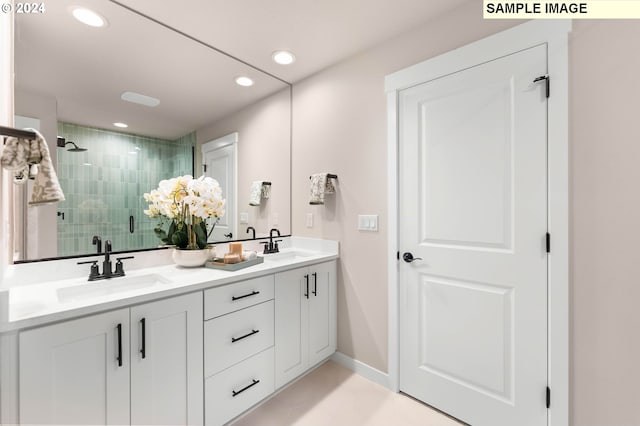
[104, 185]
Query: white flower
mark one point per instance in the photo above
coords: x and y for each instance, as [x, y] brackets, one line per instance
[203, 196]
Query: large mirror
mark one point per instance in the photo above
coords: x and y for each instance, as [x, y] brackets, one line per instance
[185, 115]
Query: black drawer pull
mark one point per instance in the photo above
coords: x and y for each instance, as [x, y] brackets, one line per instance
[236, 393]
[235, 339]
[306, 277]
[131, 224]
[253, 293]
[119, 357]
[315, 284]
[143, 350]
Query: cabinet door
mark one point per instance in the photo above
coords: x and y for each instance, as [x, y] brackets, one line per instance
[70, 373]
[166, 362]
[322, 312]
[291, 324]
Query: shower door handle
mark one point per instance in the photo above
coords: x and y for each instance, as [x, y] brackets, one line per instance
[131, 224]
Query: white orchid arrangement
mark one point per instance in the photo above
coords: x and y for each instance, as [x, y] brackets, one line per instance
[189, 204]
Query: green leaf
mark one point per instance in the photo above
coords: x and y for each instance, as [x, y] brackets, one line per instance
[180, 238]
[201, 234]
[161, 234]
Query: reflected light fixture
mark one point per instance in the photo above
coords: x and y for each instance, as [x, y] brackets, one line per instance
[244, 81]
[139, 98]
[121, 125]
[88, 17]
[283, 57]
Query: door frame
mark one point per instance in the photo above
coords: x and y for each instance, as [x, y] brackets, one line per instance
[228, 140]
[555, 34]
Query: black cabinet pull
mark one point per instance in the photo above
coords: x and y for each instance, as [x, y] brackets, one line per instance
[143, 350]
[315, 284]
[306, 277]
[119, 358]
[253, 293]
[236, 393]
[131, 224]
[235, 339]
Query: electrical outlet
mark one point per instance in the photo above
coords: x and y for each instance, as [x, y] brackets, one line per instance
[244, 217]
[309, 220]
[275, 219]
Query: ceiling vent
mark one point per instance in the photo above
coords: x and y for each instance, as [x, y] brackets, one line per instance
[137, 98]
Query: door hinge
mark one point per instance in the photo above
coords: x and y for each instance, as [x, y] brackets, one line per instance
[548, 242]
[548, 397]
[547, 83]
[398, 255]
[204, 166]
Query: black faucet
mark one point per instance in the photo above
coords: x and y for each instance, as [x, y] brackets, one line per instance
[107, 269]
[253, 231]
[272, 246]
[106, 264]
[97, 241]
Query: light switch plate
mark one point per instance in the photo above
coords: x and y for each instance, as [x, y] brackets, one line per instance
[368, 222]
[275, 219]
[244, 217]
[309, 220]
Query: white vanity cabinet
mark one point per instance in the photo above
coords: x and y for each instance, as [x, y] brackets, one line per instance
[70, 373]
[238, 347]
[93, 370]
[305, 319]
[166, 362]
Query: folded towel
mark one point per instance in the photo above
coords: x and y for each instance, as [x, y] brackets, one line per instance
[255, 193]
[46, 188]
[320, 185]
[266, 191]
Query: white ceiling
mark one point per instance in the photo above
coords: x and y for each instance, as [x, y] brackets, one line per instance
[319, 32]
[87, 69]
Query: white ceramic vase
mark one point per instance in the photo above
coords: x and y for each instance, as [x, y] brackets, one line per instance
[192, 258]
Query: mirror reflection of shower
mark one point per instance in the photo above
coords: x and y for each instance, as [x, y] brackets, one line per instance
[75, 148]
[62, 143]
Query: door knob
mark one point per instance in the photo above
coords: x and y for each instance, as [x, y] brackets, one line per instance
[408, 257]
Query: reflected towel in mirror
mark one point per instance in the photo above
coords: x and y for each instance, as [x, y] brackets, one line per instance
[255, 193]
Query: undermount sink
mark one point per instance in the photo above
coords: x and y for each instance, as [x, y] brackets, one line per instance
[91, 289]
[287, 255]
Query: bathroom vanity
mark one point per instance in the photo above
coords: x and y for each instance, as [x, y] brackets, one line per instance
[166, 345]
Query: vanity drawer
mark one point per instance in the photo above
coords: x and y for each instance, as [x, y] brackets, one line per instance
[233, 391]
[229, 298]
[237, 336]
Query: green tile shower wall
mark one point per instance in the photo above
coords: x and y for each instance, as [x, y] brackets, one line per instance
[103, 186]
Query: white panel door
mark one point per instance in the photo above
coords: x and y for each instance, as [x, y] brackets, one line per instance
[167, 376]
[70, 373]
[473, 207]
[219, 159]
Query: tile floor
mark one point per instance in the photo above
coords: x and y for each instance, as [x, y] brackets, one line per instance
[333, 395]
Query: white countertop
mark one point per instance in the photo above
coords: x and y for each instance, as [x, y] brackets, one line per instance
[38, 303]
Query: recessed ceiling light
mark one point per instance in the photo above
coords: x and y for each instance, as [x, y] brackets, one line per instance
[138, 98]
[283, 57]
[244, 81]
[88, 17]
[121, 125]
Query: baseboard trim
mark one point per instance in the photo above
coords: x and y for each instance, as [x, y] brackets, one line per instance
[362, 369]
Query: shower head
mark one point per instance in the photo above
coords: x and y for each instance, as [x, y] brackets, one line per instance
[75, 147]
